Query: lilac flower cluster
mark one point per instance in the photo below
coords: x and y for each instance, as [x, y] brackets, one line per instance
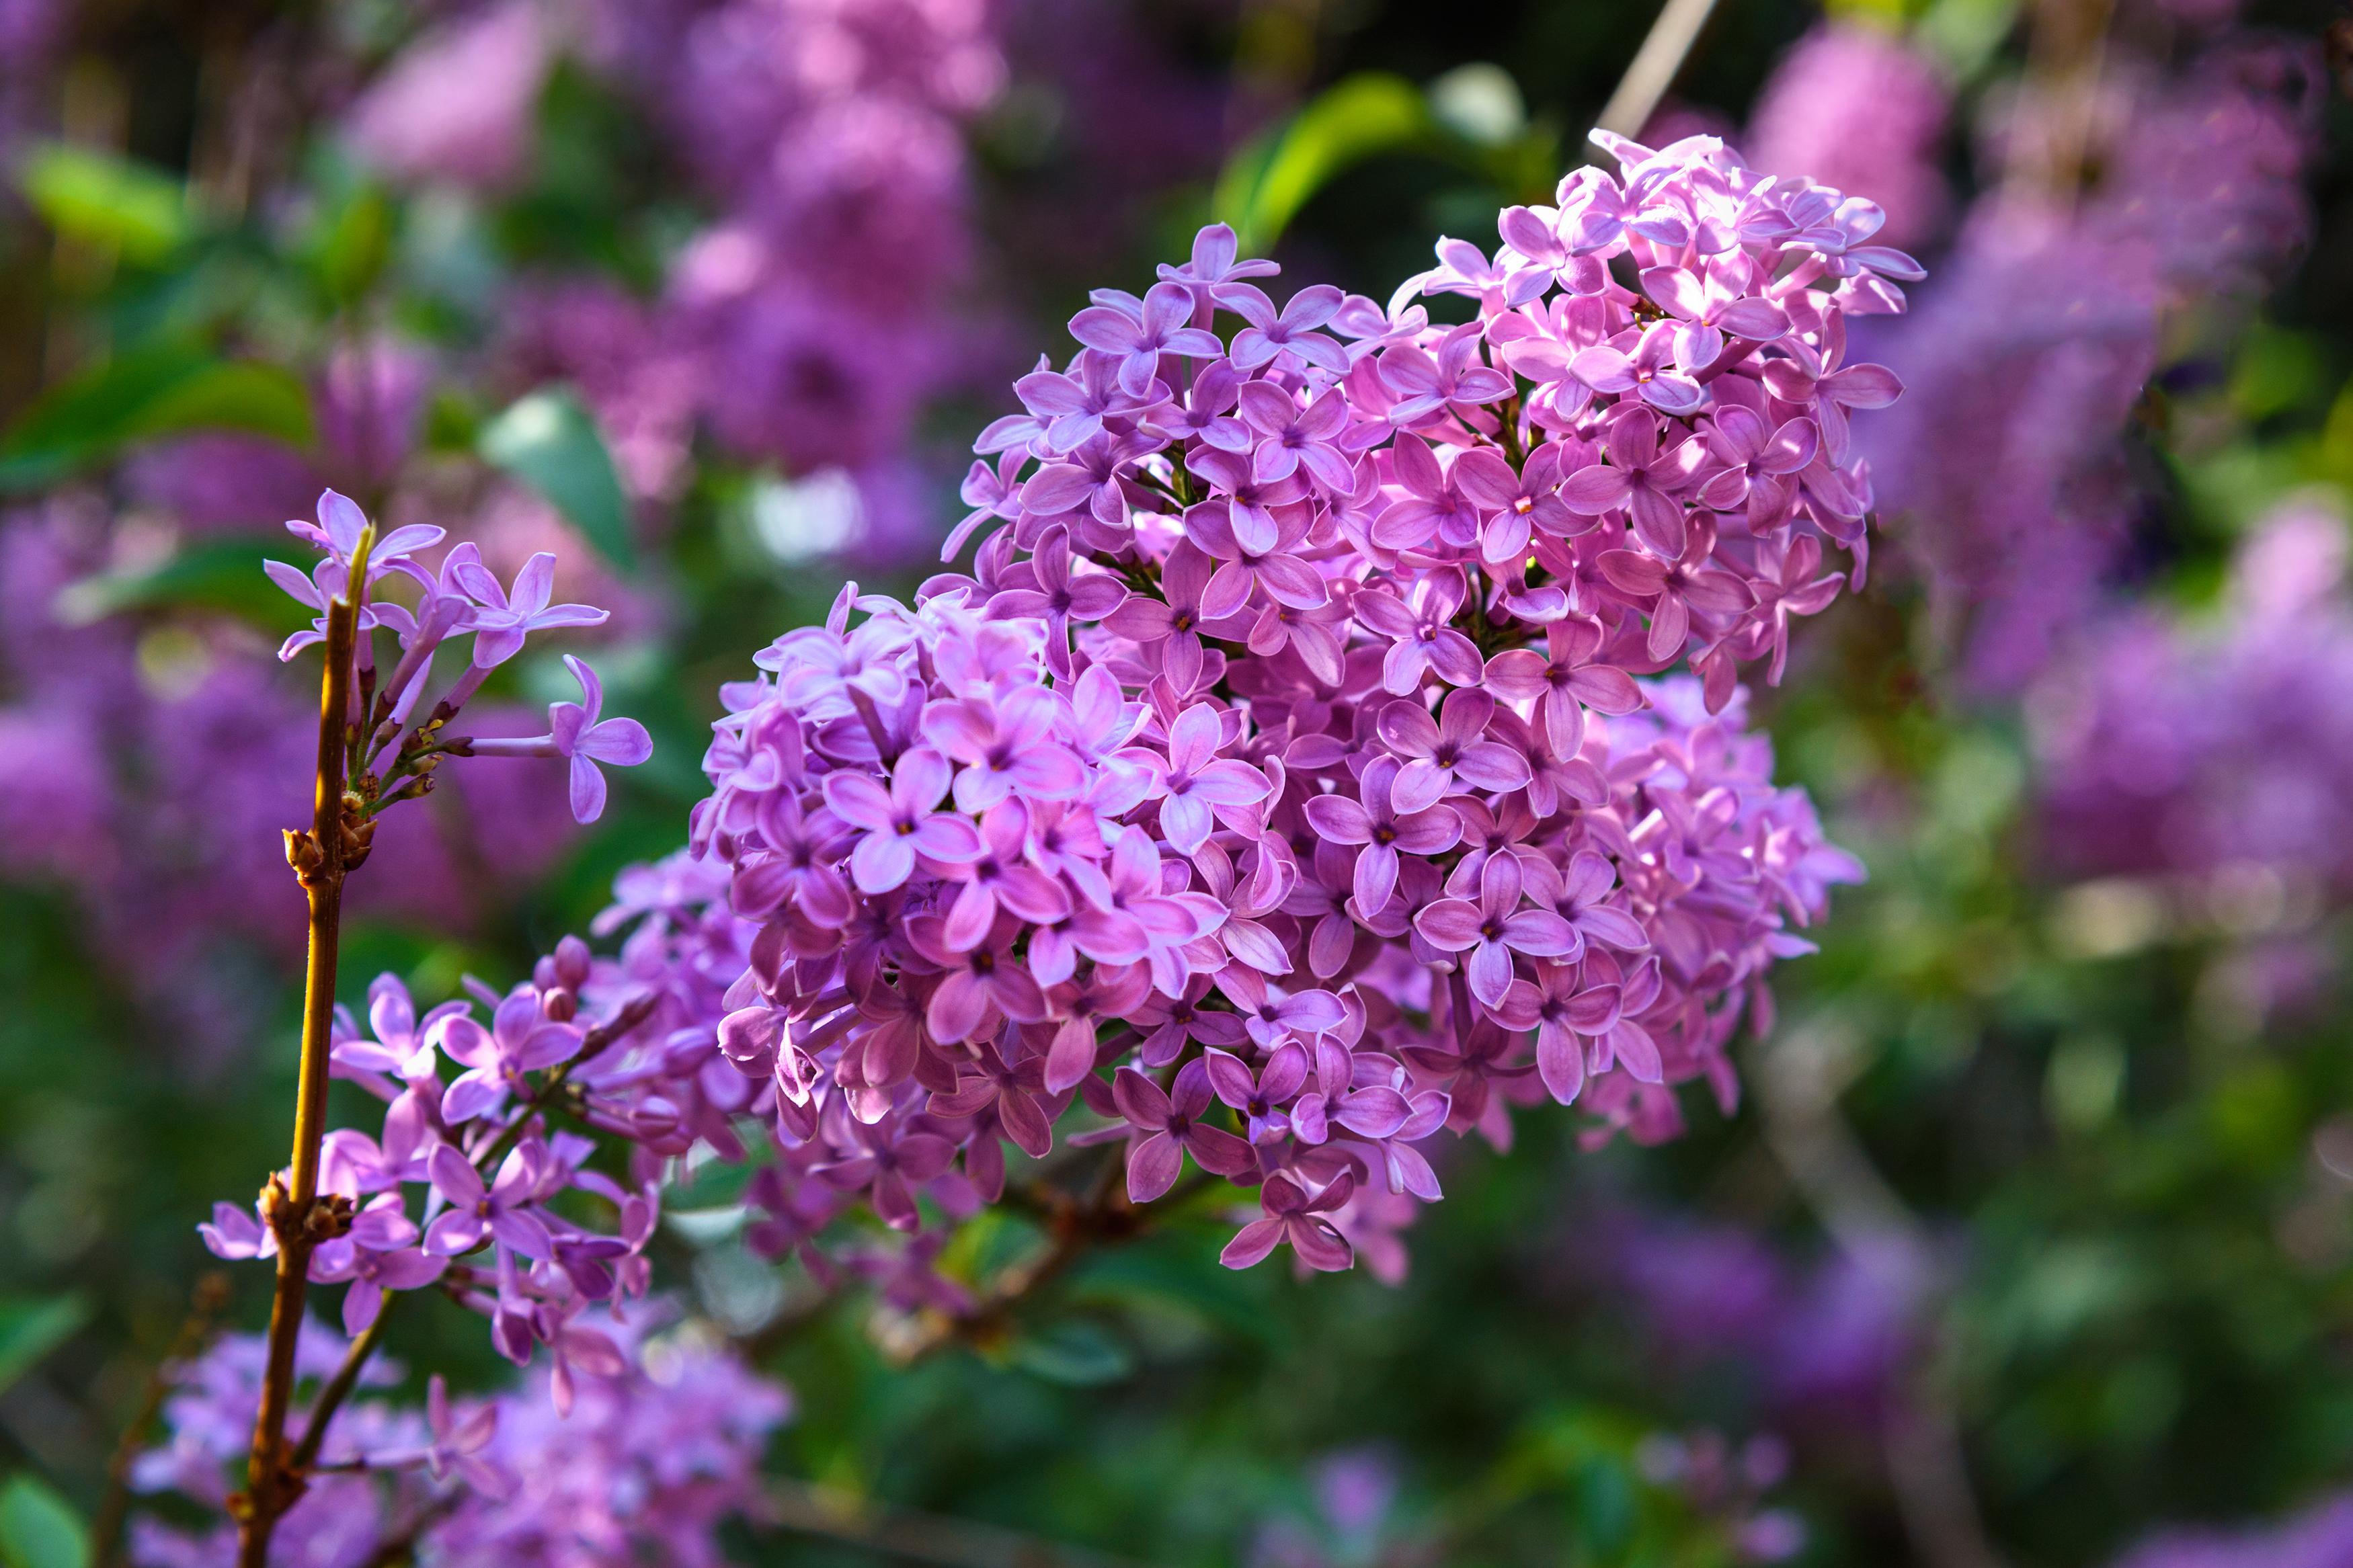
[2198, 750]
[1247, 792]
[461, 598]
[653, 1456]
[2009, 462]
[147, 765]
[491, 1155]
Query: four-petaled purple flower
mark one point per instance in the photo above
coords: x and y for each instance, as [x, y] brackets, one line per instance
[1135, 342]
[901, 823]
[504, 1212]
[506, 617]
[1383, 830]
[1494, 929]
[1639, 478]
[1450, 751]
[1291, 1215]
[1199, 780]
[522, 1039]
[1173, 1121]
[1287, 339]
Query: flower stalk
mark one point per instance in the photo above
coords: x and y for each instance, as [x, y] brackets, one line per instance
[296, 1216]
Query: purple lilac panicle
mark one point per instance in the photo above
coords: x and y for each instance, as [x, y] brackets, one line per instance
[1243, 723]
[1233, 759]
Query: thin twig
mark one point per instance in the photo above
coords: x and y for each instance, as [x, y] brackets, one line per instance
[1927, 1466]
[205, 1306]
[1655, 66]
[339, 1387]
[1104, 1218]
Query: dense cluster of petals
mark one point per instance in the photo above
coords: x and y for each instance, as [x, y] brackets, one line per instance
[1302, 771]
[1276, 791]
[492, 1107]
[461, 598]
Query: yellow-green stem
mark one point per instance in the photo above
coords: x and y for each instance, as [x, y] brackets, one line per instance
[272, 1483]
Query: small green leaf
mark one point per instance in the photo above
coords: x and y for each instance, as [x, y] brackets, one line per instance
[1604, 1510]
[39, 1529]
[548, 442]
[353, 244]
[33, 1326]
[103, 200]
[1967, 34]
[159, 390]
[235, 394]
[224, 575]
[1075, 1352]
[74, 418]
[1267, 182]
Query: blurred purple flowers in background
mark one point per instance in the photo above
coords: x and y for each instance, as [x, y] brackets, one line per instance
[1858, 107]
[2208, 754]
[659, 1445]
[2010, 463]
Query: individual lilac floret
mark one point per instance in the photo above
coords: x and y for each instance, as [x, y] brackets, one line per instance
[340, 526]
[577, 733]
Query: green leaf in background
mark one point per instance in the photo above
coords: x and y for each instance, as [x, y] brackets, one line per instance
[235, 394]
[224, 575]
[1165, 1280]
[548, 441]
[160, 390]
[100, 199]
[1266, 183]
[33, 1326]
[39, 1529]
[1966, 35]
[1075, 1352]
[353, 242]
